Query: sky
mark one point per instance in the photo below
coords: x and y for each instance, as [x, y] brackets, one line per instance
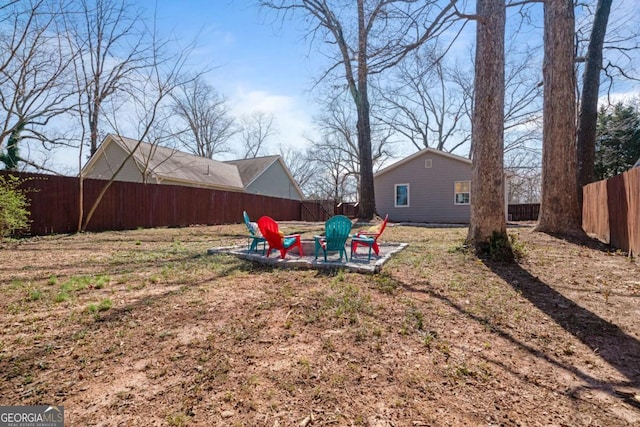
[258, 63]
[261, 64]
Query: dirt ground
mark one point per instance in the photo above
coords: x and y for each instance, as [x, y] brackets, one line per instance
[144, 328]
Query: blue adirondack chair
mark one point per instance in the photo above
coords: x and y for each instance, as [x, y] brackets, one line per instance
[337, 229]
[255, 238]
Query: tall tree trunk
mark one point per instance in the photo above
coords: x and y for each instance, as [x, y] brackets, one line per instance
[588, 116]
[367, 194]
[559, 212]
[487, 181]
[94, 115]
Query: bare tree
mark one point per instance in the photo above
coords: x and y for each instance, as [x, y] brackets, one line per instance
[425, 105]
[336, 151]
[385, 32]
[34, 83]
[559, 211]
[114, 46]
[302, 167]
[256, 129]
[334, 179]
[205, 113]
[523, 170]
[487, 177]
[149, 101]
[524, 185]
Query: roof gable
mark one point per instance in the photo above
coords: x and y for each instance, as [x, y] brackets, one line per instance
[164, 163]
[418, 154]
[251, 169]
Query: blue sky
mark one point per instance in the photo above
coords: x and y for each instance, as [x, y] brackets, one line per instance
[260, 63]
[240, 39]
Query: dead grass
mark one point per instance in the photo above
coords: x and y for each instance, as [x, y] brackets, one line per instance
[144, 328]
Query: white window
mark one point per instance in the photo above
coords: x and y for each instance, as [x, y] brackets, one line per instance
[402, 195]
[462, 192]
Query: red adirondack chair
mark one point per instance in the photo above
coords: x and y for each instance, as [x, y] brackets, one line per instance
[276, 240]
[368, 238]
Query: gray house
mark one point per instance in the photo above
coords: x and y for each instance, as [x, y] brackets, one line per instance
[147, 163]
[429, 186]
[267, 175]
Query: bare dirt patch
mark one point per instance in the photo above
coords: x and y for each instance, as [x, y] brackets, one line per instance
[143, 328]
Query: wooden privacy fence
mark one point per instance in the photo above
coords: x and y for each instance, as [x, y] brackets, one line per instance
[54, 205]
[611, 211]
[524, 212]
[347, 209]
[316, 210]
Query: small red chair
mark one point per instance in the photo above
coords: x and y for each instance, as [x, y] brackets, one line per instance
[276, 240]
[368, 238]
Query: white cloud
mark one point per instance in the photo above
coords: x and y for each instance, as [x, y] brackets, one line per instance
[292, 120]
[628, 97]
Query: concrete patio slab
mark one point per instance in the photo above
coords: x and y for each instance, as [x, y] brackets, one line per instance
[359, 263]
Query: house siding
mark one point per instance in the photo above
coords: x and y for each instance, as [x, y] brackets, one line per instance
[274, 182]
[110, 161]
[431, 190]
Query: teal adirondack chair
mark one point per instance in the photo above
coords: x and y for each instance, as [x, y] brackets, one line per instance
[255, 238]
[337, 230]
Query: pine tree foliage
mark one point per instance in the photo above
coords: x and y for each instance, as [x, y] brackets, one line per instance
[618, 140]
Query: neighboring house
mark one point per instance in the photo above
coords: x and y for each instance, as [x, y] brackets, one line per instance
[636, 164]
[429, 186]
[267, 175]
[153, 164]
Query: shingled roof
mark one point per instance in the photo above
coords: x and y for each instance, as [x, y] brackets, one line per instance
[170, 166]
[250, 169]
[167, 163]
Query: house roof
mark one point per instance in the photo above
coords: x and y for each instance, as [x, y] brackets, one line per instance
[173, 165]
[167, 164]
[251, 169]
[423, 152]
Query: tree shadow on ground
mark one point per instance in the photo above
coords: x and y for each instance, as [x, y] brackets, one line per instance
[606, 339]
[627, 365]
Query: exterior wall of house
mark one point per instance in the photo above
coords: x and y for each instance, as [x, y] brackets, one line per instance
[274, 182]
[431, 190]
[112, 158]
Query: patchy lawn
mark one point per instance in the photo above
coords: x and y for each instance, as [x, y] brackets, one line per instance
[143, 328]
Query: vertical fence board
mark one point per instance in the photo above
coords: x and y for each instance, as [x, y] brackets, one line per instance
[617, 206]
[595, 210]
[632, 183]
